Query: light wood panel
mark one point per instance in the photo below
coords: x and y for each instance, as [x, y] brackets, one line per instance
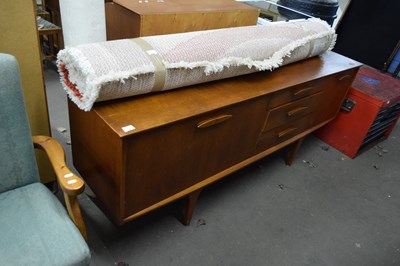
[19, 37]
[129, 19]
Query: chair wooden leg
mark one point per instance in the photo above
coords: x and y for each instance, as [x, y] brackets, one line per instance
[293, 152]
[190, 205]
[75, 214]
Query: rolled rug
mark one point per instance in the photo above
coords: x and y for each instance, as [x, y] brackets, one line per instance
[109, 70]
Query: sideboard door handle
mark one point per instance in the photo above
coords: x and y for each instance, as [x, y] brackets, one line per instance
[286, 132]
[213, 121]
[303, 91]
[344, 77]
[296, 110]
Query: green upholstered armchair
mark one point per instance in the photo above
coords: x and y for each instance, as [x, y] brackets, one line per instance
[35, 228]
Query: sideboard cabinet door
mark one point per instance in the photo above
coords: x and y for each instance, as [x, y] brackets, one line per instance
[163, 161]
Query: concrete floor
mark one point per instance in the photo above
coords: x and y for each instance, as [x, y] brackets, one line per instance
[342, 211]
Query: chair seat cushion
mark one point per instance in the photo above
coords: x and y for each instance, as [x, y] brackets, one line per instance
[35, 229]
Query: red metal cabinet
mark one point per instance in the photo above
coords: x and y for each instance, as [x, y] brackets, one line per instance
[377, 107]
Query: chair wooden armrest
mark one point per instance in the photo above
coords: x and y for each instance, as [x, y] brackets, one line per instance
[71, 184]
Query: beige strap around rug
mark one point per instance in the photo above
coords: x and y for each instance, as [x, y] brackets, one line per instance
[310, 50]
[159, 73]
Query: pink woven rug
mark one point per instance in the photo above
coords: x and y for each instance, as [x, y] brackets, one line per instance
[123, 68]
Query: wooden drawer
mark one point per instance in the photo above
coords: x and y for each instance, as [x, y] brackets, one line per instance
[291, 111]
[296, 92]
[282, 133]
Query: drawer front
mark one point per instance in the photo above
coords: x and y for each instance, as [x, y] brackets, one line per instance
[164, 161]
[282, 133]
[291, 111]
[296, 92]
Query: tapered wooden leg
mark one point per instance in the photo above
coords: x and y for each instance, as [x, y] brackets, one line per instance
[75, 214]
[190, 205]
[293, 152]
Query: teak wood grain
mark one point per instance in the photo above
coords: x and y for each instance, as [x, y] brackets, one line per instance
[179, 104]
[182, 6]
[187, 138]
[130, 19]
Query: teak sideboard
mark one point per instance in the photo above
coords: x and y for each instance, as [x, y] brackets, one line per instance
[187, 138]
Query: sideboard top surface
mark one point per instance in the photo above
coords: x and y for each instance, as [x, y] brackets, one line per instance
[157, 109]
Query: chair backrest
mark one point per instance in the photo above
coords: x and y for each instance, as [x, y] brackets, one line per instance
[17, 158]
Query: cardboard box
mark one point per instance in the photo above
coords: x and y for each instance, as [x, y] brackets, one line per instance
[130, 19]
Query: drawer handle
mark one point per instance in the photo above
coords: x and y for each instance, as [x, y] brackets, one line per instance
[297, 110]
[303, 91]
[344, 77]
[213, 121]
[286, 132]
